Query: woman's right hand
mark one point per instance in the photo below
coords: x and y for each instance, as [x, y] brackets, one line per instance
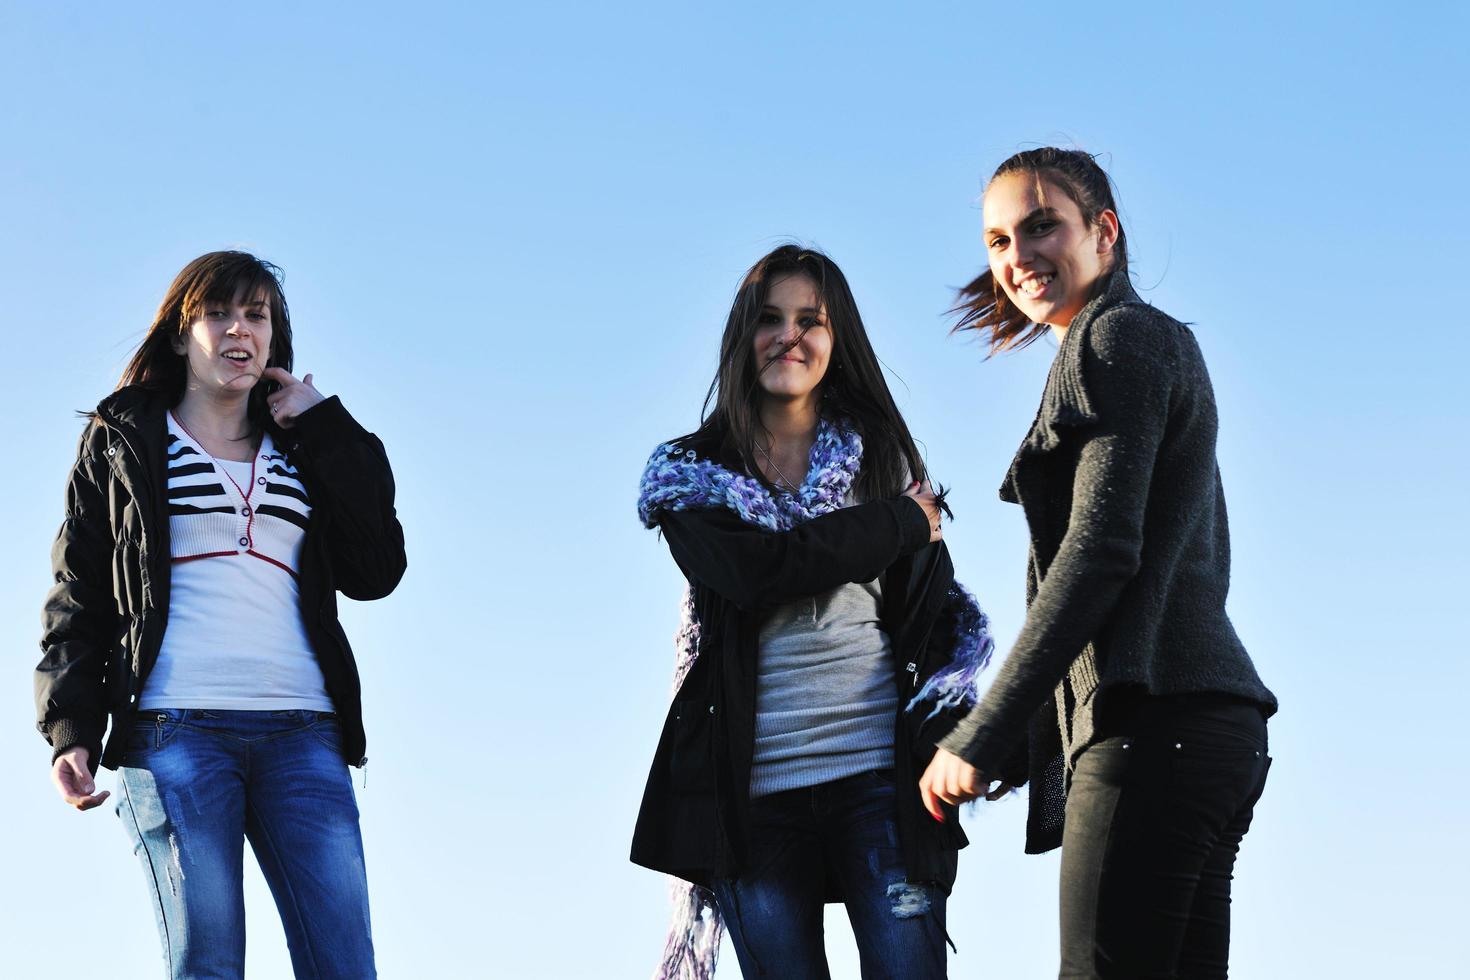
[923, 495]
[73, 778]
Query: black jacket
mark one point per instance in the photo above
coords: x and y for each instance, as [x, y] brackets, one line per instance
[1130, 550]
[104, 619]
[693, 820]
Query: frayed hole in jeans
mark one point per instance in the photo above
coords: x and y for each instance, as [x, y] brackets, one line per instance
[175, 865]
[908, 900]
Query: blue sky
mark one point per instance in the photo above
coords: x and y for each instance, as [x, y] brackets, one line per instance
[510, 238]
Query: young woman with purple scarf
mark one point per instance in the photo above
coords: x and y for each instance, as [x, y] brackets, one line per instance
[826, 649]
[1128, 701]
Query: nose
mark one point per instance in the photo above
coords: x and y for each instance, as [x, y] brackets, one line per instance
[1022, 252]
[239, 326]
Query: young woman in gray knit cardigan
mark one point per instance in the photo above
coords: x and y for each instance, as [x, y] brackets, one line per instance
[1128, 701]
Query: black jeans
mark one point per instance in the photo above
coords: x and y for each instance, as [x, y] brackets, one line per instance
[1155, 815]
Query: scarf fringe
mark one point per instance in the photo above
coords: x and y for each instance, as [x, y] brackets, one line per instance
[686, 641]
[955, 686]
[695, 931]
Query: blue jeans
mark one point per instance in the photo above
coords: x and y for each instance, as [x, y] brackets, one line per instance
[844, 831]
[194, 785]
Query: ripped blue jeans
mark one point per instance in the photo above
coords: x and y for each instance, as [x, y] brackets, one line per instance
[194, 785]
[844, 831]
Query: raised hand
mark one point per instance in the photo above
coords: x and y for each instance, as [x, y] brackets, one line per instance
[923, 495]
[73, 779]
[293, 398]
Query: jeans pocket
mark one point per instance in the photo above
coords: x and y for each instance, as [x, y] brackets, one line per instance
[325, 727]
[152, 730]
[1205, 755]
[1113, 761]
[882, 778]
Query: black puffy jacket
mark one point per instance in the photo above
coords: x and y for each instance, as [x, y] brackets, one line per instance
[104, 618]
[693, 822]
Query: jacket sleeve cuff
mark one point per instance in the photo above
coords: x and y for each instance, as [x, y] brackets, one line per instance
[913, 525]
[68, 733]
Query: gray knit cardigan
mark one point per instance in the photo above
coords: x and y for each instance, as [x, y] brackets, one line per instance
[1130, 551]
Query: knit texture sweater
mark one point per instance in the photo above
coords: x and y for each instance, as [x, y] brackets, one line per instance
[1130, 550]
[825, 697]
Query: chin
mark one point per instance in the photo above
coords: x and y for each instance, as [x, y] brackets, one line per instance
[1029, 311]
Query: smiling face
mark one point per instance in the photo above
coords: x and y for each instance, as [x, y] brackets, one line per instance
[792, 341]
[1043, 253]
[228, 345]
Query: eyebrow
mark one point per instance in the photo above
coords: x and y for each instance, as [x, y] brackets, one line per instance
[804, 309]
[1038, 213]
[263, 303]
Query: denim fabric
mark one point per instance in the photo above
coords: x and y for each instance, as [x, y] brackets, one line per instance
[195, 785]
[844, 832]
[1155, 818]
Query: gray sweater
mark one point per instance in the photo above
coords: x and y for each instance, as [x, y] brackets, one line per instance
[1130, 551]
[825, 699]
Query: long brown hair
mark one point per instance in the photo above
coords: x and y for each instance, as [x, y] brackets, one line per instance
[983, 304]
[853, 391]
[215, 277]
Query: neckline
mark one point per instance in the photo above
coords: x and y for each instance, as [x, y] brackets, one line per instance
[219, 464]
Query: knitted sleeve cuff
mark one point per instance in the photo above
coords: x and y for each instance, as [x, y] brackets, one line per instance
[68, 733]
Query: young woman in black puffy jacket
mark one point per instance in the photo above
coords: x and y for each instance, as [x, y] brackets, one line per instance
[216, 507]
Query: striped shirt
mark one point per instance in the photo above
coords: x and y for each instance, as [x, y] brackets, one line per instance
[235, 638]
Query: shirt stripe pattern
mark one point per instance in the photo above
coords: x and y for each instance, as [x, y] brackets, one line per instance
[212, 515]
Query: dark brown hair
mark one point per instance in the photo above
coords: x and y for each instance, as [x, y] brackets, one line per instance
[983, 305]
[216, 277]
[853, 391]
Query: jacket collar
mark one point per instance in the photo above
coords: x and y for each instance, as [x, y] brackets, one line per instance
[135, 407]
[1065, 402]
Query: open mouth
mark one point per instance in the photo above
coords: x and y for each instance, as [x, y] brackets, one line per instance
[238, 356]
[1035, 286]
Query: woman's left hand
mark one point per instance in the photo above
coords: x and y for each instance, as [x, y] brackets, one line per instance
[294, 397]
[951, 779]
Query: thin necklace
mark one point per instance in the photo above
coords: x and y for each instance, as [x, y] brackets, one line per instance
[784, 483]
[247, 511]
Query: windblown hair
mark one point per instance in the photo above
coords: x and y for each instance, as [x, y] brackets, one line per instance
[983, 305]
[216, 277]
[854, 392]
